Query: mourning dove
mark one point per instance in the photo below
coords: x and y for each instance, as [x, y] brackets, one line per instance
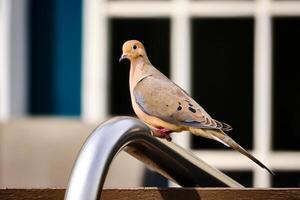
[167, 108]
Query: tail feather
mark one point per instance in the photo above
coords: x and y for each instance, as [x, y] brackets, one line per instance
[221, 137]
[229, 141]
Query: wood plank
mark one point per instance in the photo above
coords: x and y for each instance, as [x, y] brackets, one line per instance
[161, 194]
[32, 194]
[200, 194]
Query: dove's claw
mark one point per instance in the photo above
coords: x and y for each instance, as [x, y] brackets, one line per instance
[163, 133]
[168, 137]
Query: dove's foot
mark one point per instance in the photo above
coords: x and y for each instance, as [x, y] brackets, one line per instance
[163, 133]
[167, 137]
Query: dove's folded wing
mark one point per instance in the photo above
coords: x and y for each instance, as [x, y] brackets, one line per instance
[163, 99]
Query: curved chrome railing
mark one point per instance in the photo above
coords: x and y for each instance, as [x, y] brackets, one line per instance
[133, 136]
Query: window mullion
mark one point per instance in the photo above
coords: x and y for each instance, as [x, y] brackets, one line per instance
[180, 56]
[262, 91]
[95, 66]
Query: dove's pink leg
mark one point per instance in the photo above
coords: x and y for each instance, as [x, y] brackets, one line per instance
[163, 133]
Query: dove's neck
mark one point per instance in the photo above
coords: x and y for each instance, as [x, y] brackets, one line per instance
[139, 68]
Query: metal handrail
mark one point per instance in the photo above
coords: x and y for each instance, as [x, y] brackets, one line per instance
[133, 136]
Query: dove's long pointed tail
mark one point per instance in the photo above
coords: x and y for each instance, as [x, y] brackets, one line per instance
[220, 136]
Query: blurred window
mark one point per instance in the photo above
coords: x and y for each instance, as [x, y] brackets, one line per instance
[55, 57]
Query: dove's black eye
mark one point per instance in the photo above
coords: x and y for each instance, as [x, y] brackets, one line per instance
[134, 47]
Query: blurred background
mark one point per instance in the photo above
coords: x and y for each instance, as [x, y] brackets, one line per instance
[60, 77]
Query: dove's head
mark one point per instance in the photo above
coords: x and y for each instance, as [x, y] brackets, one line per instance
[132, 50]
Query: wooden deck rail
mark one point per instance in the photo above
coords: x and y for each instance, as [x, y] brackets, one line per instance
[161, 194]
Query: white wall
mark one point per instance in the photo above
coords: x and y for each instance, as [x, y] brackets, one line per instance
[39, 153]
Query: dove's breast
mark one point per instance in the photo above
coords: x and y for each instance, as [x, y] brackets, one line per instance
[151, 120]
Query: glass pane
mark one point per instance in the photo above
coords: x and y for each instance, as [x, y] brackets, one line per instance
[290, 179]
[222, 60]
[155, 35]
[243, 177]
[55, 57]
[286, 96]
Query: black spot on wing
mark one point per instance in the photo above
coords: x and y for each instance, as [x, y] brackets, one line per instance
[192, 110]
[226, 127]
[179, 108]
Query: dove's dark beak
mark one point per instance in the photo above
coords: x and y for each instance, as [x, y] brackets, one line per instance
[123, 57]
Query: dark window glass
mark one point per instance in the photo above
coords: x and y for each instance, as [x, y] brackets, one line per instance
[55, 57]
[290, 179]
[41, 61]
[286, 86]
[222, 60]
[243, 177]
[155, 35]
